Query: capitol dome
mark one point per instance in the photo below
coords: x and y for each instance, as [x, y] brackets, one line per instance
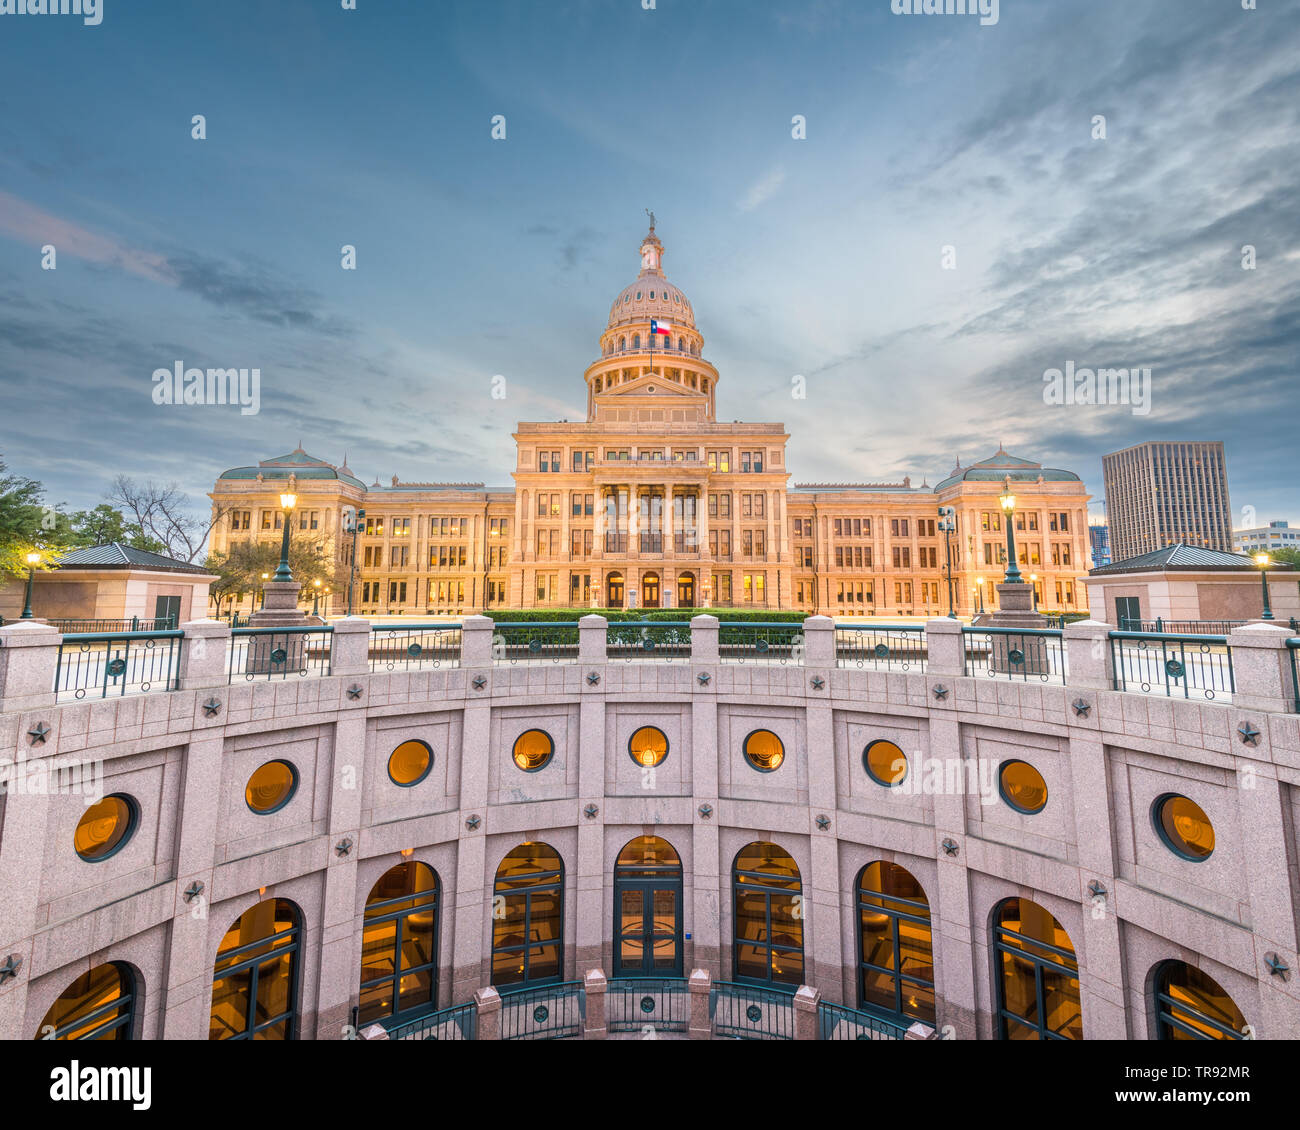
[652, 295]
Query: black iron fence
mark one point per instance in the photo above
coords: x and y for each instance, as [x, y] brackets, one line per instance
[457, 1023]
[745, 642]
[638, 1004]
[134, 624]
[1015, 653]
[1172, 664]
[414, 647]
[891, 647]
[277, 653]
[839, 1022]
[534, 642]
[554, 1012]
[751, 1012]
[99, 664]
[1293, 647]
[648, 639]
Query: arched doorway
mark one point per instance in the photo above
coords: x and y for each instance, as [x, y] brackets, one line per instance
[895, 952]
[399, 945]
[767, 912]
[614, 590]
[648, 909]
[528, 917]
[1037, 974]
[98, 1005]
[255, 976]
[1191, 1005]
[650, 590]
[686, 590]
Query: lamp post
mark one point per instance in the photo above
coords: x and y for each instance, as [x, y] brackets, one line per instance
[315, 597]
[352, 566]
[1033, 580]
[265, 577]
[284, 573]
[33, 559]
[1008, 503]
[1261, 559]
[948, 523]
[979, 588]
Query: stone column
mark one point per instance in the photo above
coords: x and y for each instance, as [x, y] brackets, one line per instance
[1088, 661]
[701, 984]
[350, 647]
[588, 880]
[806, 1000]
[476, 634]
[594, 1027]
[945, 643]
[29, 658]
[704, 948]
[488, 1004]
[1261, 669]
[204, 655]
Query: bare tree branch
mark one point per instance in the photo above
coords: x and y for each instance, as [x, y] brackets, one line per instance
[163, 513]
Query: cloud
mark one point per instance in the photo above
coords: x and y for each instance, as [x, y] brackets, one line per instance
[762, 189]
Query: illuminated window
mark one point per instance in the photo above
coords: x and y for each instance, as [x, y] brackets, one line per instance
[105, 827]
[399, 945]
[764, 751]
[533, 750]
[767, 909]
[648, 746]
[885, 763]
[528, 917]
[895, 955]
[255, 978]
[98, 1005]
[271, 787]
[1184, 827]
[1022, 787]
[410, 763]
[1191, 1005]
[648, 909]
[1037, 975]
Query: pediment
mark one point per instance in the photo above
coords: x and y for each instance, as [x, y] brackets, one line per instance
[644, 385]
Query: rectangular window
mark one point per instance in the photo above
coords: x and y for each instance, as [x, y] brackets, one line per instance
[746, 505]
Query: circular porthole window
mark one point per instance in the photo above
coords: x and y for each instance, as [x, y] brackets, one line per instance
[764, 751]
[533, 750]
[884, 762]
[105, 827]
[1184, 827]
[1022, 787]
[410, 763]
[271, 787]
[648, 746]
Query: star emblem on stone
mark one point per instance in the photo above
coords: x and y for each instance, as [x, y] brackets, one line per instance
[703, 678]
[480, 681]
[472, 823]
[212, 708]
[354, 692]
[1096, 889]
[949, 847]
[190, 893]
[13, 963]
[1249, 735]
[818, 682]
[1277, 967]
[1081, 708]
[343, 847]
[823, 822]
[941, 693]
[706, 810]
[590, 811]
[593, 679]
[37, 734]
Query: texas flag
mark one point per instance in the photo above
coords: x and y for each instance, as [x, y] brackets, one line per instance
[657, 327]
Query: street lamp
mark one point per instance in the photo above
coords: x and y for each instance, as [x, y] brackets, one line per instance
[1261, 559]
[1033, 580]
[33, 559]
[948, 523]
[1008, 501]
[315, 597]
[284, 573]
[265, 577]
[352, 565]
[979, 583]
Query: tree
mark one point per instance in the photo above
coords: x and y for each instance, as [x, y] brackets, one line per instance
[1285, 558]
[161, 513]
[239, 570]
[105, 524]
[27, 524]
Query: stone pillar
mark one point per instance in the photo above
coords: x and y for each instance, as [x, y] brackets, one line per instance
[945, 644]
[279, 606]
[1088, 661]
[704, 641]
[1261, 668]
[475, 641]
[487, 1002]
[701, 984]
[806, 1000]
[350, 647]
[592, 639]
[594, 1027]
[919, 1031]
[819, 645]
[204, 660]
[29, 658]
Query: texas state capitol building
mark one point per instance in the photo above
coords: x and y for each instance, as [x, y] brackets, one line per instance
[652, 502]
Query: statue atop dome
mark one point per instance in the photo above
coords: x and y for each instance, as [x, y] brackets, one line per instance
[652, 251]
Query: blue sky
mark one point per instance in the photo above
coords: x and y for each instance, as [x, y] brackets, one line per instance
[817, 257]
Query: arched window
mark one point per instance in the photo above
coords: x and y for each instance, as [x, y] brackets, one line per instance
[767, 908]
[895, 954]
[622, 344]
[528, 921]
[636, 341]
[704, 384]
[399, 945]
[98, 1005]
[597, 384]
[255, 978]
[681, 345]
[648, 909]
[1191, 1005]
[1037, 974]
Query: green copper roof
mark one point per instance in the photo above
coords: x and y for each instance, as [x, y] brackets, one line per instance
[297, 463]
[1003, 465]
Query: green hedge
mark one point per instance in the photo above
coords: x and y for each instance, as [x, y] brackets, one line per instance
[672, 615]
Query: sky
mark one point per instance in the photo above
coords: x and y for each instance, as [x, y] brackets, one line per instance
[952, 226]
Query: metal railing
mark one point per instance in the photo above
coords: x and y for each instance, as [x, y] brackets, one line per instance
[277, 653]
[540, 642]
[648, 639]
[1161, 626]
[1015, 653]
[744, 642]
[1293, 646]
[459, 1022]
[839, 1022]
[135, 624]
[553, 1012]
[1172, 664]
[888, 647]
[661, 1003]
[751, 1012]
[414, 647]
[99, 664]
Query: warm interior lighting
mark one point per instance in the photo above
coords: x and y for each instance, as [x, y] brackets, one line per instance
[288, 501]
[408, 851]
[1008, 501]
[261, 890]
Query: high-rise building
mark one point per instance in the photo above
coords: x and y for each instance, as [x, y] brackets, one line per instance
[1276, 535]
[1161, 494]
[1099, 542]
